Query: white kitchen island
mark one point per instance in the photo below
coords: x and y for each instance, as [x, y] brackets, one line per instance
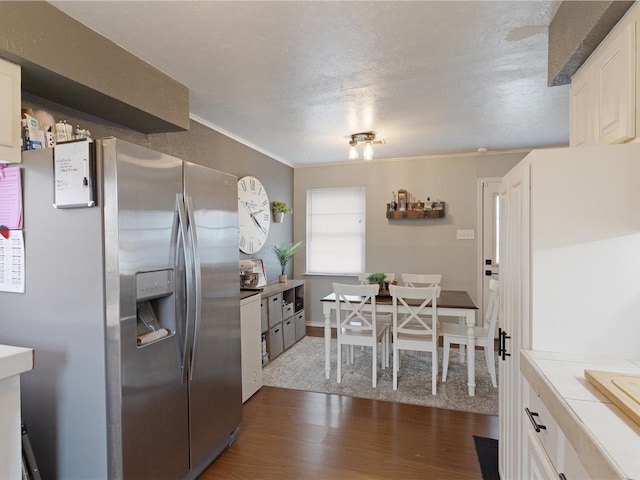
[13, 362]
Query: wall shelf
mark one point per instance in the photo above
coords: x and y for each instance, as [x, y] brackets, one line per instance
[416, 214]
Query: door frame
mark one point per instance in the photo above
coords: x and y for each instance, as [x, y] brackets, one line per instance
[480, 243]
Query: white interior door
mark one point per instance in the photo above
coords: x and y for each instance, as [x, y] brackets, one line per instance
[489, 238]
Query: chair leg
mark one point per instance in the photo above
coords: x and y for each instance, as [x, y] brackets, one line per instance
[388, 340]
[445, 358]
[351, 355]
[434, 371]
[374, 366]
[339, 366]
[491, 364]
[395, 366]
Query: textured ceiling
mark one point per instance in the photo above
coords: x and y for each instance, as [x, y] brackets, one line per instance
[293, 79]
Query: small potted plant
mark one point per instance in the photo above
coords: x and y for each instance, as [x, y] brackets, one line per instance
[284, 254]
[279, 209]
[380, 279]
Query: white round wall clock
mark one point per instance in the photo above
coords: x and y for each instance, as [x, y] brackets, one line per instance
[254, 214]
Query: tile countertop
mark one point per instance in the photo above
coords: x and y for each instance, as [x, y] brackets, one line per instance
[607, 440]
[15, 360]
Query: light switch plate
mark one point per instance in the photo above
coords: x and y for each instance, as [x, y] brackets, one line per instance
[465, 234]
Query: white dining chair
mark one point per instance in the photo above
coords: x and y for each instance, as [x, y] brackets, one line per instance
[421, 279]
[484, 335]
[354, 327]
[418, 329]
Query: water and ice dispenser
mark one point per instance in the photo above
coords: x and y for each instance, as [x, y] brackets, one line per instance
[155, 306]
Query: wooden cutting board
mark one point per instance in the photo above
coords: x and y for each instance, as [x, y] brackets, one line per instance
[621, 388]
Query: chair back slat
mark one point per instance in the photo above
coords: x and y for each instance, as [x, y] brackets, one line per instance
[352, 299]
[414, 321]
[421, 279]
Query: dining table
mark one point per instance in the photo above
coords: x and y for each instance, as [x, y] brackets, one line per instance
[450, 303]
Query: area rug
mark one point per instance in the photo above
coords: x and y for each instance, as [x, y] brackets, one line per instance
[487, 451]
[302, 368]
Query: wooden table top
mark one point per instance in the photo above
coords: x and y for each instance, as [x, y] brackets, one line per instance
[447, 299]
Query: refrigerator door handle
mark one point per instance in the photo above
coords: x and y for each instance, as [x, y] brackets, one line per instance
[197, 275]
[185, 317]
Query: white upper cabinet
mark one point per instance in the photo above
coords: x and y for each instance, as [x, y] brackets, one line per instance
[603, 92]
[581, 103]
[616, 88]
[10, 137]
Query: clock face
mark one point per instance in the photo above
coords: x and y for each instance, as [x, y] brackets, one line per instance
[254, 214]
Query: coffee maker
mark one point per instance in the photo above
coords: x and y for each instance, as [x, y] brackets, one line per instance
[248, 278]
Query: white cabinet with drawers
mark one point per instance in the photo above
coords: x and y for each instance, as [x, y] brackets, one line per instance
[572, 431]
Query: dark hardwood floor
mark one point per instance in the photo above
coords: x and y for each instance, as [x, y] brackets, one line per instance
[290, 434]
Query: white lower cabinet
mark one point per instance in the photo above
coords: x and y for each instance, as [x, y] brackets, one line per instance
[251, 347]
[539, 466]
[549, 454]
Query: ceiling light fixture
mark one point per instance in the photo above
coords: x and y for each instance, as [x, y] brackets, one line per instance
[363, 137]
[353, 151]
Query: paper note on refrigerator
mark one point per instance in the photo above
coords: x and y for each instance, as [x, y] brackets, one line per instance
[12, 262]
[10, 197]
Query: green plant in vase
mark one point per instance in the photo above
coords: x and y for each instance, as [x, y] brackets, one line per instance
[279, 209]
[284, 253]
[380, 279]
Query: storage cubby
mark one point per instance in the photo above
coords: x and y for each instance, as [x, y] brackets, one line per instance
[275, 309]
[288, 332]
[275, 343]
[264, 314]
[300, 323]
[282, 315]
[299, 298]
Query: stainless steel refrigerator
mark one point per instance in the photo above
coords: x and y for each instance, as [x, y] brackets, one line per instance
[133, 310]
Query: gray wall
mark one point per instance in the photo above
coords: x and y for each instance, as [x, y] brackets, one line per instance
[204, 146]
[405, 246]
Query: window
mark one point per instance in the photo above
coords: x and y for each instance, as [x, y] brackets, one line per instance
[335, 230]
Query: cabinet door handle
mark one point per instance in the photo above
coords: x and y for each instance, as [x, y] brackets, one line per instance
[561, 476]
[502, 347]
[537, 427]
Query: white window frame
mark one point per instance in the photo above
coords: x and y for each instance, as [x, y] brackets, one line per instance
[333, 216]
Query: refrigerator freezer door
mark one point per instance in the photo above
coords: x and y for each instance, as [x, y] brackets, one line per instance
[148, 403]
[215, 388]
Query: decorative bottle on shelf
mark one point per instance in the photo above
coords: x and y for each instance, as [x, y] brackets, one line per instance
[402, 200]
[392, 205]
[427, 204]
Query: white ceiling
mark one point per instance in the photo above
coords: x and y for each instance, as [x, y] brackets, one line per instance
[294, 78]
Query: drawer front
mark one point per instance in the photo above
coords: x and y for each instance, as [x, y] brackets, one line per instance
[301, 327]
[274, 341]
[548, 432]
[264, 314]
[287, 311]
[275, 309]
[538, 465]
[289, 332]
